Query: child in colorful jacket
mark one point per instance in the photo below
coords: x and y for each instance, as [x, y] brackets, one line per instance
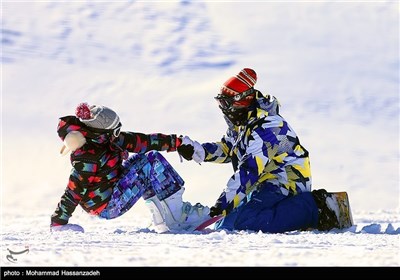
[105, 181]
[270, 189]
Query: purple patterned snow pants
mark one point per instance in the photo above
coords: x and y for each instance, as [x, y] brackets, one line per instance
[145, 175]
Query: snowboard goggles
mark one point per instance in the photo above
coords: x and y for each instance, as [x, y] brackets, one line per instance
[237, 101]
[111, 132]
[116, 131]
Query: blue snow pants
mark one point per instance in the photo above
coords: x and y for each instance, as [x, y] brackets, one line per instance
[144, 175]
[272, 212]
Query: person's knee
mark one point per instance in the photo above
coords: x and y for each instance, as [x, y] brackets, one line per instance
[154, 156]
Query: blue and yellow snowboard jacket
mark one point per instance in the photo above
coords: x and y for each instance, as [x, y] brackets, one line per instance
[265, 152]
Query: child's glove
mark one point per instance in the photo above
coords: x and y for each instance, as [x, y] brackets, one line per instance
[190, 149]
[186, 151]
[72, 227]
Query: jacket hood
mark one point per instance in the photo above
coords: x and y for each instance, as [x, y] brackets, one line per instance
[266, 104]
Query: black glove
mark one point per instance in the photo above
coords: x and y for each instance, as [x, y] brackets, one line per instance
[186, 151]
[215, 210]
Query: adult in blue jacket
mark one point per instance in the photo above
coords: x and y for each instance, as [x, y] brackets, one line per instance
[270, 188]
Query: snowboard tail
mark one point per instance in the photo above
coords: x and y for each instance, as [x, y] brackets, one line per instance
[343, 213]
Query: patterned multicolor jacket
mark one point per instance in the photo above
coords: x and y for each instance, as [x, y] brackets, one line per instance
[264, 152]
[97, 165]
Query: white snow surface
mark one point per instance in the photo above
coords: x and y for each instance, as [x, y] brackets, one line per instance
[333, 65]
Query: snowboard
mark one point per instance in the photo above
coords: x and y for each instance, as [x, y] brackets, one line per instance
[344, 213]
[208, 222]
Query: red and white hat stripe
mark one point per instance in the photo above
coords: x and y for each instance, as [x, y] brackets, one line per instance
[245, 77]
[229, 91]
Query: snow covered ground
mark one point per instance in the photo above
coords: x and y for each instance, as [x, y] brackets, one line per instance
[128, 242]
[334, 66]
